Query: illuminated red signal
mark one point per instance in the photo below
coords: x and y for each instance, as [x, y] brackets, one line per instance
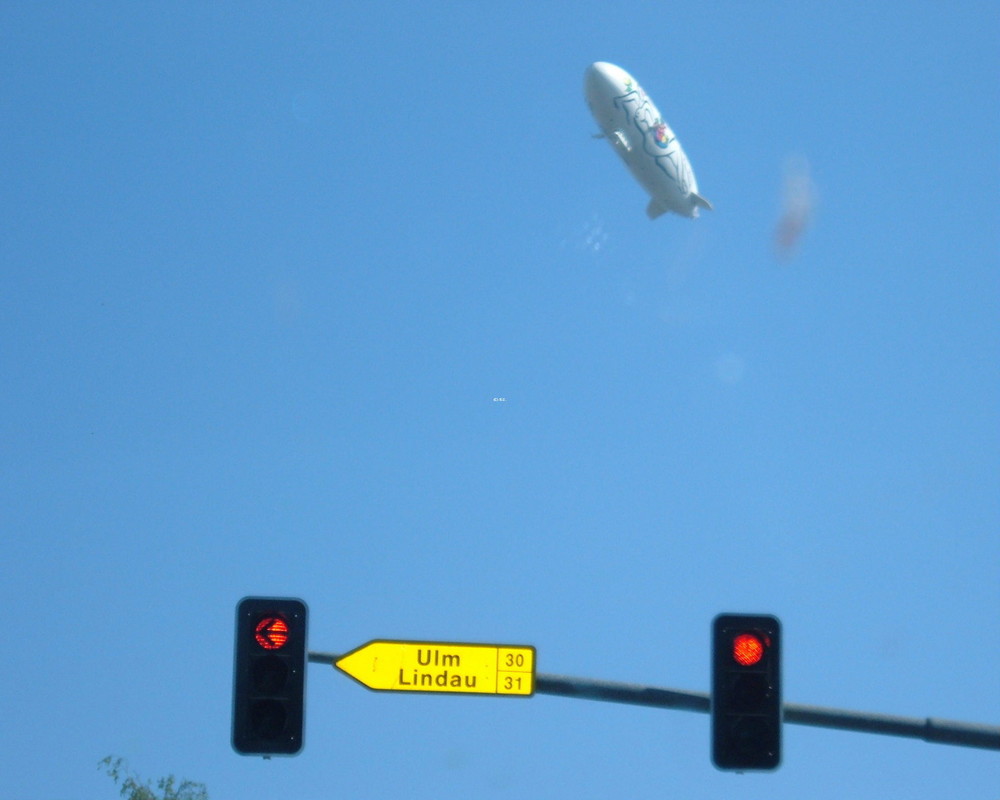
[747, 649]
[271, 633]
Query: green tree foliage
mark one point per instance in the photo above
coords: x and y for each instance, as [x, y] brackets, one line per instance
[133, 788]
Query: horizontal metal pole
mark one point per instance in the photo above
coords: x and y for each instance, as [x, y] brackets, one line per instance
[941, 731]
[324, 658]
[613, 692]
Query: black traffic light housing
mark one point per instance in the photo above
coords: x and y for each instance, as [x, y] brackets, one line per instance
[269, 677]
[746, 692]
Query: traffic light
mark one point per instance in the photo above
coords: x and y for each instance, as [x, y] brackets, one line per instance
[746, 692]
[269, 676]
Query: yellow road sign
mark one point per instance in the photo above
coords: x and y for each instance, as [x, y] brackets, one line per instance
[391, 666]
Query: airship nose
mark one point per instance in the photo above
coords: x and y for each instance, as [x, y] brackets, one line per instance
[595, 76]
[603, 81]
[602, 68]
[598, 82]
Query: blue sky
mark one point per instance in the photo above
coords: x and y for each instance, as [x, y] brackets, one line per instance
[267, 267]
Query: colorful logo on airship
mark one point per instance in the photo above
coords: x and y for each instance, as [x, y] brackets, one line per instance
[661, 135]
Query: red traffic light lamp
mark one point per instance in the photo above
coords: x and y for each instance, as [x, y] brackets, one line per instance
[271, 632]
[748, 649]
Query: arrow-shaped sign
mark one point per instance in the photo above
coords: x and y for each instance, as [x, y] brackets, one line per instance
[392, 666]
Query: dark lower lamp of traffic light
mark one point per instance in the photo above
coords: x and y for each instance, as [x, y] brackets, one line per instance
[748, 649]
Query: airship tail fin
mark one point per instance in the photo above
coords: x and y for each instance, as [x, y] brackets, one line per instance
[656, 208]
[701, 202]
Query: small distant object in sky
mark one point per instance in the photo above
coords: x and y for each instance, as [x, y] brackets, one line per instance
[638, 133]
[798, 198]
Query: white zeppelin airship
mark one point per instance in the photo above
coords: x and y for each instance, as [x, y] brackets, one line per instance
[629, 120]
